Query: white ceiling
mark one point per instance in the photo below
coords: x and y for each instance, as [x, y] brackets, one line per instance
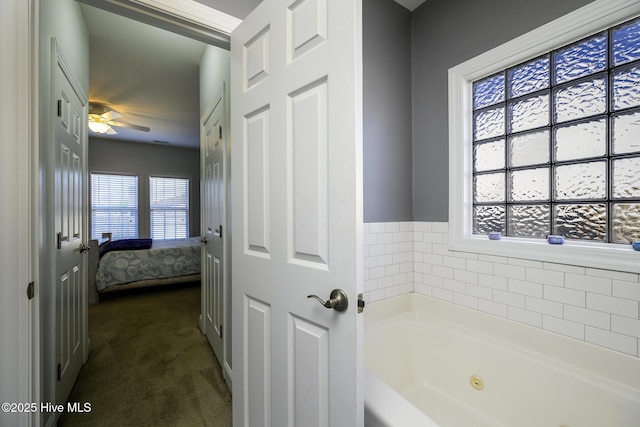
[150, 75]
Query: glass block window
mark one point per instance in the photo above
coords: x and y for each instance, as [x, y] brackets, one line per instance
[114, 206]
[169, 206]
[556, 142]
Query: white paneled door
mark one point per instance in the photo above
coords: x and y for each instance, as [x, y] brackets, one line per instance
[297, 213]
[213, 220]
[70, 124]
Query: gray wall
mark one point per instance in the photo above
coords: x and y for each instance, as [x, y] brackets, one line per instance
[445, 34]
[387, 111]
[107, 155]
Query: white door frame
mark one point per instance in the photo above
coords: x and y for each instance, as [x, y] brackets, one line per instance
[20, 136]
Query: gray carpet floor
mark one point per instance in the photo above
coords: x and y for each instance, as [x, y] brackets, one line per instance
[149, 364]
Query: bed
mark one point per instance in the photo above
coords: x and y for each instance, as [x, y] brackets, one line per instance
[134, 263]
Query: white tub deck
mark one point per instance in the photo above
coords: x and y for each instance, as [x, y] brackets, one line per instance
[427, 350]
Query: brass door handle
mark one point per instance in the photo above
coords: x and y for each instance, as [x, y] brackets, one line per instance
[338, 300]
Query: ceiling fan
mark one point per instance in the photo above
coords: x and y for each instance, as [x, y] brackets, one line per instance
[101, 119]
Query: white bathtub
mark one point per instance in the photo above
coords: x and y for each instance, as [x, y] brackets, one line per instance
[427, 350]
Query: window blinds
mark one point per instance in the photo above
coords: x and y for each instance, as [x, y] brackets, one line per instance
[114, 206]
[169, 206]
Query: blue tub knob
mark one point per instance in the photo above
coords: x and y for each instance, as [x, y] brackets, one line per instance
[555, 240]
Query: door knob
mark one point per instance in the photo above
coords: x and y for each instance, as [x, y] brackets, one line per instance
[204, 240]
[84, 248]
[337, 300]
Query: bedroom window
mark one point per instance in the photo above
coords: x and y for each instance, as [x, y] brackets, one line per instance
[556, 142]
[114, 206]
[169, 203]
[544, 138]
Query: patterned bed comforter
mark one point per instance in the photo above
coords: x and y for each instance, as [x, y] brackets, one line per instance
[166, 258]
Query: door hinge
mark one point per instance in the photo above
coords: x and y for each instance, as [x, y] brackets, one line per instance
[220, 131]
[221, 231]
[31, 290]
[59, 240]
[360, 303]
[59, 107]
[59, 371]
[220, 331]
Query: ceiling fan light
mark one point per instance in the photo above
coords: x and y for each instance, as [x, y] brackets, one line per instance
[99, 127]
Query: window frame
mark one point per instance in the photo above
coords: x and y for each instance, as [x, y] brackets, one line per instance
[590, 19]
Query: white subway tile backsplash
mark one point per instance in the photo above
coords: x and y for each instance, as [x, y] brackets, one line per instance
[612, 340]
[598, 306]
[433, 237]
[524, 316]
[491, 307]
[480, 266]
[526, 263]
[423, 289]
[493, 259]
[609, 274]
[563, 327]
[442, 294]
[376, 250]
[509, 271]
[626, 326]
[466, 255]
[566, 296]
[466, 276]
[384, 238]
[479, 291]
[626, 290]
[543, 306]
[376, 272]
[423, 247]
[525, 288]
[613, 305]
[440, 227]
[453, 262]
[441, 249]
[564, 268]
[596, 285]
[589, 317]
[508, 298]
[423, 226]
[432, 280]
[545, 277]
[433, 259]
[465, 300]
[494, 282]
[454, 285]
[444, 272]
[377, 227]
[392, 227]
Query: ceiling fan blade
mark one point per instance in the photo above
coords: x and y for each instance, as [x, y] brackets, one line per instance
[129, 126]
[110, 115]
